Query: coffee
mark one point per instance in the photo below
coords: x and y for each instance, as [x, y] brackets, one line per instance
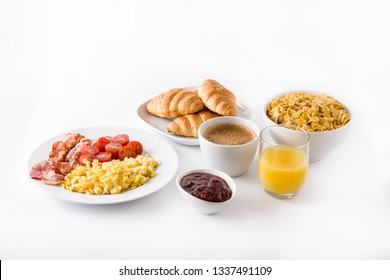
[229, 134]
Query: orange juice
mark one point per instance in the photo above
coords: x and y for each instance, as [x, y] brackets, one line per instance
[282, 170]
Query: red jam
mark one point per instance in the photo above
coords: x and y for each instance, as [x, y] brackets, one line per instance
[206, 186]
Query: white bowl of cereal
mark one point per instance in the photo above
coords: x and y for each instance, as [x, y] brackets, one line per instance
[325, 118]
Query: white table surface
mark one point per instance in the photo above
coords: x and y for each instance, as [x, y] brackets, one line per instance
[71, 64]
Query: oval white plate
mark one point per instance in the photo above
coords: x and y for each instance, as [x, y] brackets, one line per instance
[160, 124]
[157, 148]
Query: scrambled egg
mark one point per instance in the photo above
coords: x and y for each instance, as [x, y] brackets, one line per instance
[111, 177]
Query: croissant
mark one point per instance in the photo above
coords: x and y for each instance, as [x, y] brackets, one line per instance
[175, 102]
[189, 124]
[218, 98]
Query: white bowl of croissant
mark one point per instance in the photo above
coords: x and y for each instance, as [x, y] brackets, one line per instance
[186, 109]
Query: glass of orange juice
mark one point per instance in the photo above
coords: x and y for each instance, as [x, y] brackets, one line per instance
[283, 160]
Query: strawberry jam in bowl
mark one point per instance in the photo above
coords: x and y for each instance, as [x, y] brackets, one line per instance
[206, 190]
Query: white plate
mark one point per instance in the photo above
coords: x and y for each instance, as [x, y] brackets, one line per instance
[157, 148]
[160, 124]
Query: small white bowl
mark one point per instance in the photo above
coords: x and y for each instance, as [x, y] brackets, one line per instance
[203, 206]
[321, 143]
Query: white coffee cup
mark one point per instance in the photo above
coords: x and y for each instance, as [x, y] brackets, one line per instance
[234, 160]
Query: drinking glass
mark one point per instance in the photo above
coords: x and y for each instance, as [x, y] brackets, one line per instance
[283, 160]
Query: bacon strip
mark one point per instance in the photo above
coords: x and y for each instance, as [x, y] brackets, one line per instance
[38, 168]
[53, 170]
[50, 177]
[73, 156]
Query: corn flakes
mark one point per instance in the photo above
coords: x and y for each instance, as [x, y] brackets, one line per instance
[311, 112]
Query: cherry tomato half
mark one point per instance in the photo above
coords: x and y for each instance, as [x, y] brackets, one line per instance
[89, 149]
[137, 147]
[122, 139]
[127, 152]
[102, 142]
[113, 148]
[103, 156]
[87, 157]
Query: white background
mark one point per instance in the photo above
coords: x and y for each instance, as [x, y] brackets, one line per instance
[71, 64]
